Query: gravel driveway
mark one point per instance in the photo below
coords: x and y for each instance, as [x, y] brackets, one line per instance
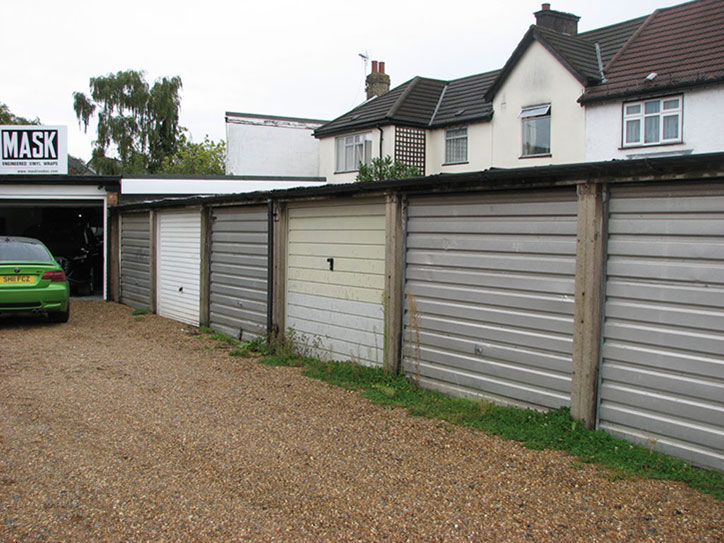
[123, 428]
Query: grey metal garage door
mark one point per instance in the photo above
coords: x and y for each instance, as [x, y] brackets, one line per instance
[238, 291]
[663, 349]
[136, 260]
[490, 289]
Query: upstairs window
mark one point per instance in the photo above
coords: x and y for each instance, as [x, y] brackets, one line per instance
[353, 150]
[536, 130]
[456, 145]
[652, 122]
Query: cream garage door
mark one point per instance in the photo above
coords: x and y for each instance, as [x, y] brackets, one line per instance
[335, 279]
[179, 265]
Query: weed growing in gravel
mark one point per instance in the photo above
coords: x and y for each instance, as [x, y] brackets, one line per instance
[140, 311]
[535, 429]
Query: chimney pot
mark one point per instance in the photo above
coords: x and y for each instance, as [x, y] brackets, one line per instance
[545, 6]
[378, 83]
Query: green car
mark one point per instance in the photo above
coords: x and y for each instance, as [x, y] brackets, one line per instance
[31, 281]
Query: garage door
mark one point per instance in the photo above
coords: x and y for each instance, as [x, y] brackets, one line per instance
[490, 289]
[238, 290]
[179, 265]
[336, 277]
[136, 260]
[663, 349]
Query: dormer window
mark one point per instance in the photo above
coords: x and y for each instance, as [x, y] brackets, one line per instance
[652, 122]
[536, 122]
[352, 151]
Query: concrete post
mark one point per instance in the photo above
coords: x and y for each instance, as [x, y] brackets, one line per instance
[588, 300]
[280, 269]
[393, 282]
[205, 272]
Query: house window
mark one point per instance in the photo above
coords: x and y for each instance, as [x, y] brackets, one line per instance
[536, 130]
[456, 145]
[353, 150]
[652, 122]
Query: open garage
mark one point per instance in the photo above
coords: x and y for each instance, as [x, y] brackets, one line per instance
[67, 213]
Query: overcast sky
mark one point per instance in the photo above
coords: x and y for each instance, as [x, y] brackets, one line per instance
[276, 57]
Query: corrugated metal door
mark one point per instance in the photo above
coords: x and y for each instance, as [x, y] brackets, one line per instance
[136, 260]
[238, 290]
[662, 375]
[490, 290]
[179, 265]
[336, 278]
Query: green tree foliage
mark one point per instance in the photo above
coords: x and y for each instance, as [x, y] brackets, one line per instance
[207, 158]
[137, 124]
[384, 168]
[8, 117]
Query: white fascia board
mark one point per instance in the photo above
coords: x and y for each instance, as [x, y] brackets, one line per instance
[207, 186]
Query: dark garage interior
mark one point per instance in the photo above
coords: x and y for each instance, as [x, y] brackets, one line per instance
[72, 230]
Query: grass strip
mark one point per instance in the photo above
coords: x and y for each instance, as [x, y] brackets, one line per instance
[534, 429]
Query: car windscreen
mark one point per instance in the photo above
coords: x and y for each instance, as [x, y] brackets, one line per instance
[21, 251]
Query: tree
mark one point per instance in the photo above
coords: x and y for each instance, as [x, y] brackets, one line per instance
[207, 158]
[8, 117]
[383, 168]
[136, 123]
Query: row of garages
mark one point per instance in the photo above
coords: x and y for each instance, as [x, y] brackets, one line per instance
[473, 285]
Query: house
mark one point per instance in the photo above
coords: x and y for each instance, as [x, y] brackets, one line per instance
[663, 92]
[562, 97]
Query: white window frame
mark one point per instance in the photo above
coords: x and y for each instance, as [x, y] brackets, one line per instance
[534, 119]
[645, 121]
[456, 142]
[351, 150]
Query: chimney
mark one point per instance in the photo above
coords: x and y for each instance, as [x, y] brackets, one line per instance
[378, 83]
[565, 23]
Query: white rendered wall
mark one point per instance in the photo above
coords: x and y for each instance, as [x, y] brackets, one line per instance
[328, 153]
[271, 147]
[479, 149]
[538, 78]
[703, 119]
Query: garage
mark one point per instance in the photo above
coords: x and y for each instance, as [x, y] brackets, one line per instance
[69, 215]
[336, 278]
[490, 295]
[662, 371]
[238, 275]
[178, 265]
[136, 260]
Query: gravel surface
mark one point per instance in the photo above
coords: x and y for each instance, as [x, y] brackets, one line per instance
[123, 428]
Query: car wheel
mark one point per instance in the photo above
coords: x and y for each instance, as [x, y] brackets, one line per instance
[60, 316]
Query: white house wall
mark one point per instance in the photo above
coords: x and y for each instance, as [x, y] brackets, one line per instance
[479, 150]
[703, 118]
[271, 147]
[538, 78]
[328, 153]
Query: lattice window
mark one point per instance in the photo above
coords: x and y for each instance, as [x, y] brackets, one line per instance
[410, 147]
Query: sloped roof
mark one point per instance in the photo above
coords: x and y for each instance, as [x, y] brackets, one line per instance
[420, 102]
[576, 52]
[683, 45]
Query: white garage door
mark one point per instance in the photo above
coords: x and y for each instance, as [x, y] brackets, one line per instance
[336, 278]
[179, 265]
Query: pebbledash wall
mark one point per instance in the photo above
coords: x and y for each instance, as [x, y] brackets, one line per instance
[594, 286]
